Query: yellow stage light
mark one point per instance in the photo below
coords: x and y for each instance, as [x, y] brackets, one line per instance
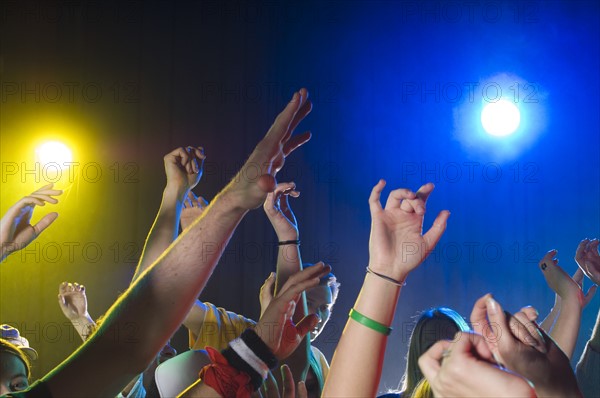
[55, 153]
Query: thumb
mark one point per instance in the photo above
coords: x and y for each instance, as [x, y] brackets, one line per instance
[307, 324]
[45, 222]
[267, 183]
[61, 300]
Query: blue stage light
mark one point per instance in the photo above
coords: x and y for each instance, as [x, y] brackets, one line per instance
[500, 118]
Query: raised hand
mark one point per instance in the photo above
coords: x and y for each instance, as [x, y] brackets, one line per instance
[275, 326]
[257, 177]
[482, 325]
[16, 232]
[561, 283]
[547, 367]
[73, 301]
[465, 367]
[588, 259]
[183, 167]
[279, 212]
[193, 207]
[397, 244]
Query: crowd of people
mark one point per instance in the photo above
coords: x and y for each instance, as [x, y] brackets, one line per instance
[494, 354]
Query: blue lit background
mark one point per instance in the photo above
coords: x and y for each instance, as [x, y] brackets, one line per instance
[397, 92]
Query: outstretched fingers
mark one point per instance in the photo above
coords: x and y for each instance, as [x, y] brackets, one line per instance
[295, 142]
[280, 128]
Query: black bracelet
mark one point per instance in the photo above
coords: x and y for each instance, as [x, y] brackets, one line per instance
[249, 354]
[254, 342]
[387, 278]
[236, 360]
[288, 242]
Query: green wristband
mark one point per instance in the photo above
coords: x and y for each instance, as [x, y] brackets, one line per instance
[368, 322]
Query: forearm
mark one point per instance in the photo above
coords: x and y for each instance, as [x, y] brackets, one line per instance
[164, 230]
[548, 323]
[358, 359]
[6, 249]
[566, 327]
[153, 307]
[595, 339]
[84, 326]
[288, 262]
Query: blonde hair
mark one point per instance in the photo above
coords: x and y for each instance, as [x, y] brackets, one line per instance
[422, 390]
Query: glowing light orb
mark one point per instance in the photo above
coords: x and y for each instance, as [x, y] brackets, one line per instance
[500, 118]
[54, 152]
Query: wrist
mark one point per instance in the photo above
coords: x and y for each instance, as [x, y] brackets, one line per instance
[572, 303]
[82, 320]
[6, 249]
[231, 199]
[174, 193]
[287, 236]
[388, 271]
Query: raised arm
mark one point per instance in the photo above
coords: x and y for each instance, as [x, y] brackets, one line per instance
[285, 225]
[154, 306]
[396, 247]
[183, 167]
[588, 259]
[16, 232]
[572, 301]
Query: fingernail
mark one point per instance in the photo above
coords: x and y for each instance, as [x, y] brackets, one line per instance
[492, 305]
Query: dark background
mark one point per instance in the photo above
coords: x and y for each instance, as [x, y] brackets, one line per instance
[397, 90]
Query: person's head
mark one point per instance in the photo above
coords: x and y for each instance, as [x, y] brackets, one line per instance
[166, 353]
[320, 300]
[436, 324]
[12, 335]
[15, 369]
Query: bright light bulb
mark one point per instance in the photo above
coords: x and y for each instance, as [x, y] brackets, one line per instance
[500, 118]
[54, 152]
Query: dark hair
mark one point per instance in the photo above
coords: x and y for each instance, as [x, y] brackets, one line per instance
[12, 349]
[436, 324]
[328, 280]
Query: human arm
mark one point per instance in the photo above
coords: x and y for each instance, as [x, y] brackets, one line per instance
[183, 168]
[284, 223]
[588, 366]
[16, 232]
[396, 247]
[548, 322]
[169, 287]
[572, 301]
